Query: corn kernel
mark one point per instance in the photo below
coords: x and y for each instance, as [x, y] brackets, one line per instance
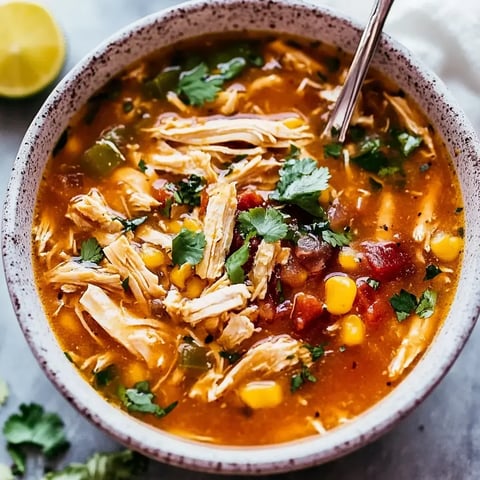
[293, 122]
[191, 224]
[135, 372]
[348, 260]
[262, 394]
[174, 226]
[340, 292]
[152, 257]
[180, 274]
[195, 286]
[352, 330]
[446, 247]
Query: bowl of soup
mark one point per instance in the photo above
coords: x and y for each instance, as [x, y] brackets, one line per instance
[213, 282]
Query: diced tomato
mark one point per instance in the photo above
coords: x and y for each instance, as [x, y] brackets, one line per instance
[306, 310]
[249, 199]
[371, 306]
[387, 260]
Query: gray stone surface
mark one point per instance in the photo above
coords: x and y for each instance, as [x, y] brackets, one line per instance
[439, 440]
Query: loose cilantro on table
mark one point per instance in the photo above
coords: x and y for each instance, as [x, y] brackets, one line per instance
[34, 427]
[91, 251]
[188, 247]
[139, 398]
[431, 271]
[235, 262]
[301, 182]
[268, 223]
[406, 303]
[104, 466]
[130, 225]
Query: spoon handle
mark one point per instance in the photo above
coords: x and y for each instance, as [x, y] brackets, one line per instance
[342, 112]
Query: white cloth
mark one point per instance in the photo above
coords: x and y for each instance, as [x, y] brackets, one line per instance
[443, 34]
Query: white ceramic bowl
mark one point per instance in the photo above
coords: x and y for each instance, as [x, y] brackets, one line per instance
[141, 38]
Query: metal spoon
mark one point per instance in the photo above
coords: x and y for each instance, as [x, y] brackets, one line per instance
[341, 114]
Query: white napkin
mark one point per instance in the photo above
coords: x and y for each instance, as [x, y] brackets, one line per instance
[444, 34]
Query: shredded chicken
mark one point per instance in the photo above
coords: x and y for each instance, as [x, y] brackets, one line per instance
[270, 356]
[385, 216]
[239, 328]
[76, 274]
[212, 304]
[262, 270]
[91, 211]
[413, 343]
[411, 120]
[43, 233]
[141, 281]
[145, 338]
[261, 83]
[149, 235]
[254, 131]
[256, 171]
[219, 223]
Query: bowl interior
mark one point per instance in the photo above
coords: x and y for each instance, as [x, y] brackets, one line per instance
[144, 37]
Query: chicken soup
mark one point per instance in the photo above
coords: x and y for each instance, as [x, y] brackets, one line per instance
[212, 265]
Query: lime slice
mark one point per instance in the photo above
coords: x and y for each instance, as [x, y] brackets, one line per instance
[32, 48]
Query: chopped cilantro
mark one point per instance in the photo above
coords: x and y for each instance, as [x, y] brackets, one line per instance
[91, 251]
[235, 262]
[125, 284]
[301, 182]
[373, 283]
[388, 171]
[188, 247]
[198, 86]
[336, 239]
[103, 377]
[406, 303]
[294, 152]
[316, 351]
[300, 378]
[142, 166]
[123, 465]
[33, 426]
[188, 191]
[370, 157]
[130, 225]
[431, 271]
[408, 142]
[265, 222]
[333, 150]
[232, 357]
[139, 398]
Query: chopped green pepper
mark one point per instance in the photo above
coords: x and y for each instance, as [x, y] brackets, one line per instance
[193, 356]
[101, 158]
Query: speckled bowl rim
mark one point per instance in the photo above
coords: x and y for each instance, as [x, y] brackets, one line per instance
[75, 89]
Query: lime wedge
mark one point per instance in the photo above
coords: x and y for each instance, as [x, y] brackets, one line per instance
[32, 49]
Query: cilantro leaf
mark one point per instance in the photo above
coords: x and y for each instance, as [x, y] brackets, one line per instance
[104, 376]
[294, 152]
[408, 142]
[139, 398]
[188, 191]
[404, 303]
[333, 150]
[373, 283]
[188, 247]
[431, 271]
[336, 239]
[198, 86]
[426, 304]
[33, 426]
[301, 182]
[235, 262]
[142, 166]
[130, 225]
[232, 68]
[297, 380]
[316, 351]
[370, 157]
[104, 466]
[265, 222]
[91, 251]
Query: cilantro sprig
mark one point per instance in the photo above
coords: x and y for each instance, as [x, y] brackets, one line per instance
[301, 182]
[130, 225]
[405, 303]
[188, 247]
[34, 427]
[268, 223]
[139, 398]
[188, 191]
[199, 86]
[91, 251]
